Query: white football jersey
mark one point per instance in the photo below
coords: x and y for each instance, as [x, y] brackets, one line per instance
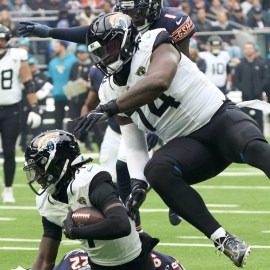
[102, 252]
[216, 67]
[10, 65]
[186, 106]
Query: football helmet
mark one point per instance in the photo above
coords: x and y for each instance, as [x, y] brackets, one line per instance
[111, 41]
[49, 160]
[4, 34]
[143, 12]
[215, 44]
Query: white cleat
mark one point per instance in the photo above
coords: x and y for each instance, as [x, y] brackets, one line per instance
[7, 195]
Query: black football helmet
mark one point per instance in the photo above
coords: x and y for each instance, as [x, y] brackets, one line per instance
[50, 160]
[143, 12]
[111, 41]
[5, 32]
[215, 44]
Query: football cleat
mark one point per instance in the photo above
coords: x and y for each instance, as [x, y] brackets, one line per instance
[174, 218]
[7, 195]
[234, 248]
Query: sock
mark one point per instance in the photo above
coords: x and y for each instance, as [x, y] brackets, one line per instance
[219, 233]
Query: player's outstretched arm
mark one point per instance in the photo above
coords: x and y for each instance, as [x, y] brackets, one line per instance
[73, 34]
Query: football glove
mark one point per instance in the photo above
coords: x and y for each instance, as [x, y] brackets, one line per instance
[34, 29]
[152, 140]
[69, 225]
[136, 197]
[34, 118]
[87, 121]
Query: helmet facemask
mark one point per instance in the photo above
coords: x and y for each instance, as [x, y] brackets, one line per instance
[48, 161]
[113, 45]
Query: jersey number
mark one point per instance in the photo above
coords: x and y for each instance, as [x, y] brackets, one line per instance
[218, 69]
[78, 262]
[6, 79]
[168, 101]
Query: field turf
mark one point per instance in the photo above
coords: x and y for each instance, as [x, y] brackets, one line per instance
[239, 198]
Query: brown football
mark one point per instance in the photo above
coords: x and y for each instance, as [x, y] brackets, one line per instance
[87, 215]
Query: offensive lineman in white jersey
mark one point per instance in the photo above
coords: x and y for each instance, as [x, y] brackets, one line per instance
[217, 61]
[162, 91]
[13, 67]
[53, 161]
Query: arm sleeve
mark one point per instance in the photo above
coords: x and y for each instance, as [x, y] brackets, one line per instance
[74, 34]
[136, 150]
[104, 196]
[51, 230]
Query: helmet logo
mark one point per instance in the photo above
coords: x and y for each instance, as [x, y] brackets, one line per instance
[82, 200]
[48, 140]
[118, 20]
[140, 71]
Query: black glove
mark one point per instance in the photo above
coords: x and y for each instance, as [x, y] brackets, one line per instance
[152, 140]
[34, 29]
[87, 121]
[69, 225]
[136, 197]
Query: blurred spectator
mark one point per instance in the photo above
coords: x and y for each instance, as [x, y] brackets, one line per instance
[36, 4]
[73, 4]
[53, 5]
[202, 25]
[5, 19]
[252, 77]
[185, 6]
[218, 64]
[246, 6]
[217, 7]
[256, 4]
[266, 5]
[5, 5]
[65, 16]
[239, 17]
[86, 16]
[78, 88]
[196, 4]
[20, 5]
[106, 6]
[223, 24]
[43, 89]
[258, 20]
[194, 55]
[58, 72]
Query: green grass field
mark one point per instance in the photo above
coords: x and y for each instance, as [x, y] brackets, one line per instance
[239, 199]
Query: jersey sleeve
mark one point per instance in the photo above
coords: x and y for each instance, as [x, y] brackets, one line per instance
[184, 28]
[22, 54]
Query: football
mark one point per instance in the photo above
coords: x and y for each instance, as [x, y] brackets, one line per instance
[87, 216]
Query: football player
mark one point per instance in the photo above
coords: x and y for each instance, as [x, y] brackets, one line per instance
[218, 68]
[152, 87]
[62, 179]
[13, 69]
[147, 14]
[78, 259]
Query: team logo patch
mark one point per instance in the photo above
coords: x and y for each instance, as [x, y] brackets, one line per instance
[82, 200]
[141, 71]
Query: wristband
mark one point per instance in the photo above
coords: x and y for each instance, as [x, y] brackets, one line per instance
[29, 87]
[35, 108]
[110, 108]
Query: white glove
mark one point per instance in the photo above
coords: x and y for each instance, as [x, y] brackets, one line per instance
[19, 268]
[34, 119]
[44, 91]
